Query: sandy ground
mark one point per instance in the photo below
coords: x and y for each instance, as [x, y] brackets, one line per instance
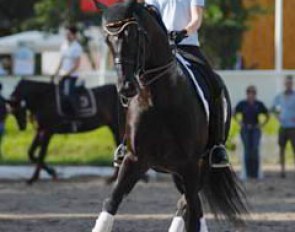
[72, 206]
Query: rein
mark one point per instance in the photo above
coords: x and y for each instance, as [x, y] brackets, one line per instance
[159, 72]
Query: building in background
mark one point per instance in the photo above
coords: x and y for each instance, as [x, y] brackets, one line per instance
[258, 47]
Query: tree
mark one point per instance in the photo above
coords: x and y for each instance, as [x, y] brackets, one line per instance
[52, 14]
[13, 13]
[224, 25]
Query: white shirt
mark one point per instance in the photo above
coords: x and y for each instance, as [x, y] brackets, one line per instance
[69, 53]
[176, 15]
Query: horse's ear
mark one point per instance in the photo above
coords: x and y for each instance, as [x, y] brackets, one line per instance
[131, 5]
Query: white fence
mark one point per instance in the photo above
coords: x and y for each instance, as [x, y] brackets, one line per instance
[268, 83]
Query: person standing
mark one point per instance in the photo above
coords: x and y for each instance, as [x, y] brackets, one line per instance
[251, 109]
[284, 109]
[71, 52]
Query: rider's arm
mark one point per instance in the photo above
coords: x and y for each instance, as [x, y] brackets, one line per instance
[58, 68]
[196, 19]
[265, 112]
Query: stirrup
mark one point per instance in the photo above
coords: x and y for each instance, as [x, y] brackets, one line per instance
[119, 155]
[224, 164]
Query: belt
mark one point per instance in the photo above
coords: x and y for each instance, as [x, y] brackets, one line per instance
[251, 126]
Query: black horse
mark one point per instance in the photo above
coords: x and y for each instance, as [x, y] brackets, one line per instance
[40, 99]
[167, 127]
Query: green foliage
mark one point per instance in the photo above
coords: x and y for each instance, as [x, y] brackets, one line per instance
[49, 15]
[13, 13]
[93, 148]
[224, 24]
[52, 14]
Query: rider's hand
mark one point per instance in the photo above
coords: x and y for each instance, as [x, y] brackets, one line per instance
[178, 36]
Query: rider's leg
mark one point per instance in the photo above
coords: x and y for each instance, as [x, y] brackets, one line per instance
[218, 154]
[73, 94]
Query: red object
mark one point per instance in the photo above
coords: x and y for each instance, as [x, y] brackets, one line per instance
[88, 6]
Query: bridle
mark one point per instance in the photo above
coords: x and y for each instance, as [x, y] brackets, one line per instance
[141, 73]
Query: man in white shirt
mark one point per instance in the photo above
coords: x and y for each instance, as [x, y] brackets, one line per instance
[71, 52]
[183, 19]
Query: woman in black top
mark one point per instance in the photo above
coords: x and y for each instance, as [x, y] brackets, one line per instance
[251, 109]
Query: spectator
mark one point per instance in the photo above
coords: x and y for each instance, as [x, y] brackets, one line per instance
[284, 108]
[251, 109]
[3, 114]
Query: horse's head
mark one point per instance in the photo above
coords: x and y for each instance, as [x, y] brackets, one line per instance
[130, 34]
[18, 107]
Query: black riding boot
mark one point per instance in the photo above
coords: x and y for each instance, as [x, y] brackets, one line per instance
[218, 156]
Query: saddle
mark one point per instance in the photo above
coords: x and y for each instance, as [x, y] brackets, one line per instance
[81, 104]
[189, 57]
[196, 78]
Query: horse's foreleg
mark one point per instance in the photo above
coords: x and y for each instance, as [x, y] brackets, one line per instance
[178, 224]
[114, 177]
[32, 150]
[118, 140]
[42, 141]
[130, 172]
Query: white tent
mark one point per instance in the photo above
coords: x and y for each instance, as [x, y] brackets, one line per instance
[38, 41]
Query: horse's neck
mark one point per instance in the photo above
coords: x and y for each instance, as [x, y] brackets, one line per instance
[169, 90]
[40, 96]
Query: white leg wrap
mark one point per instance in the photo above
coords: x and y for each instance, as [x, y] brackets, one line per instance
[104, 223]
[204, 227]
[177, 225]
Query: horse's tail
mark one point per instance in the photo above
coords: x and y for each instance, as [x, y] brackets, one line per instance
[225, 194]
